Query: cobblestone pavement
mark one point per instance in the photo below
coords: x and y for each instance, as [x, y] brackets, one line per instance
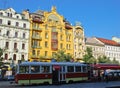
[112, 84]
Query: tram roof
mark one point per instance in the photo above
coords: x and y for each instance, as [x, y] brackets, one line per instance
[52, 63]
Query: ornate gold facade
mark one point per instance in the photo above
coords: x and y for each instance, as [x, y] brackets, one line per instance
[49, 32]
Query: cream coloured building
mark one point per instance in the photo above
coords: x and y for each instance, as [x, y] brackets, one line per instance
[98, 48]
[79, 43]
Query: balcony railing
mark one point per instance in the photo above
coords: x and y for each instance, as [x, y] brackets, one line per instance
[68, 33]
[38, 47]
[37, 37]
[54, 48]
[35, 56]
[37, 29]
[54, 40]
[54, 31]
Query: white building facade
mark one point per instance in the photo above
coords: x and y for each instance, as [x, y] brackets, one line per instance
[112, 49]
[112, 52]
[101, 46]
[14, 35]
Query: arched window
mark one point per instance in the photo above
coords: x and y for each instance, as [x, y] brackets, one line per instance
[23, 35]
[22, 57]
[38, 52]
[23, 46]
[9, 22]
[8, 33]
[7, 45]
[46, 35]
[24, 25]
[14, 57]
[17, 24]
[0, 32]
[1, 13]
[15, 45]
[0, 21]
[8, 14]
[17, 17]
[6, 56]
[16, 34]
[11, 15]
[33, 52]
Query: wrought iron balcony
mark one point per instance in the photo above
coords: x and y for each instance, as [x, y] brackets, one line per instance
[54, 40]
[35, 56]
[68, 33]
[38, 37]
[37, 29]
[53, 48]
[38, 47]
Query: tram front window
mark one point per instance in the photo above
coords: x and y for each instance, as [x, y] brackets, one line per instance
[24, 69]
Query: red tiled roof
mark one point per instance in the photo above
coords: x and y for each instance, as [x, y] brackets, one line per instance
[108, 42]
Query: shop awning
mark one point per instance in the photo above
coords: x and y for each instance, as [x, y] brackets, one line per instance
[108, 66]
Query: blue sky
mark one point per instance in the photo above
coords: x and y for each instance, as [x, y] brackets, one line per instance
[100, 18]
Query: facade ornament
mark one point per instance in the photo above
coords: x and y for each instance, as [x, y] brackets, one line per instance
[53, 9]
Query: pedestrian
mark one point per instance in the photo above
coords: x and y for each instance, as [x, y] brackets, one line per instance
[106, 76]
[102, 76]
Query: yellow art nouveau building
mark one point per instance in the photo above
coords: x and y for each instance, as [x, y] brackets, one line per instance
[49, 32]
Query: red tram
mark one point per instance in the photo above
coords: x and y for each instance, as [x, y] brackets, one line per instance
[50, 72]
[64, 72]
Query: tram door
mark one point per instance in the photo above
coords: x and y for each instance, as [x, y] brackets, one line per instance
[56, 74]
[62, 74]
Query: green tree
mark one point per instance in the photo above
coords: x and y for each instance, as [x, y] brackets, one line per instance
[60, 56]
[68, 57]
[103, 59]
[88, 57]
